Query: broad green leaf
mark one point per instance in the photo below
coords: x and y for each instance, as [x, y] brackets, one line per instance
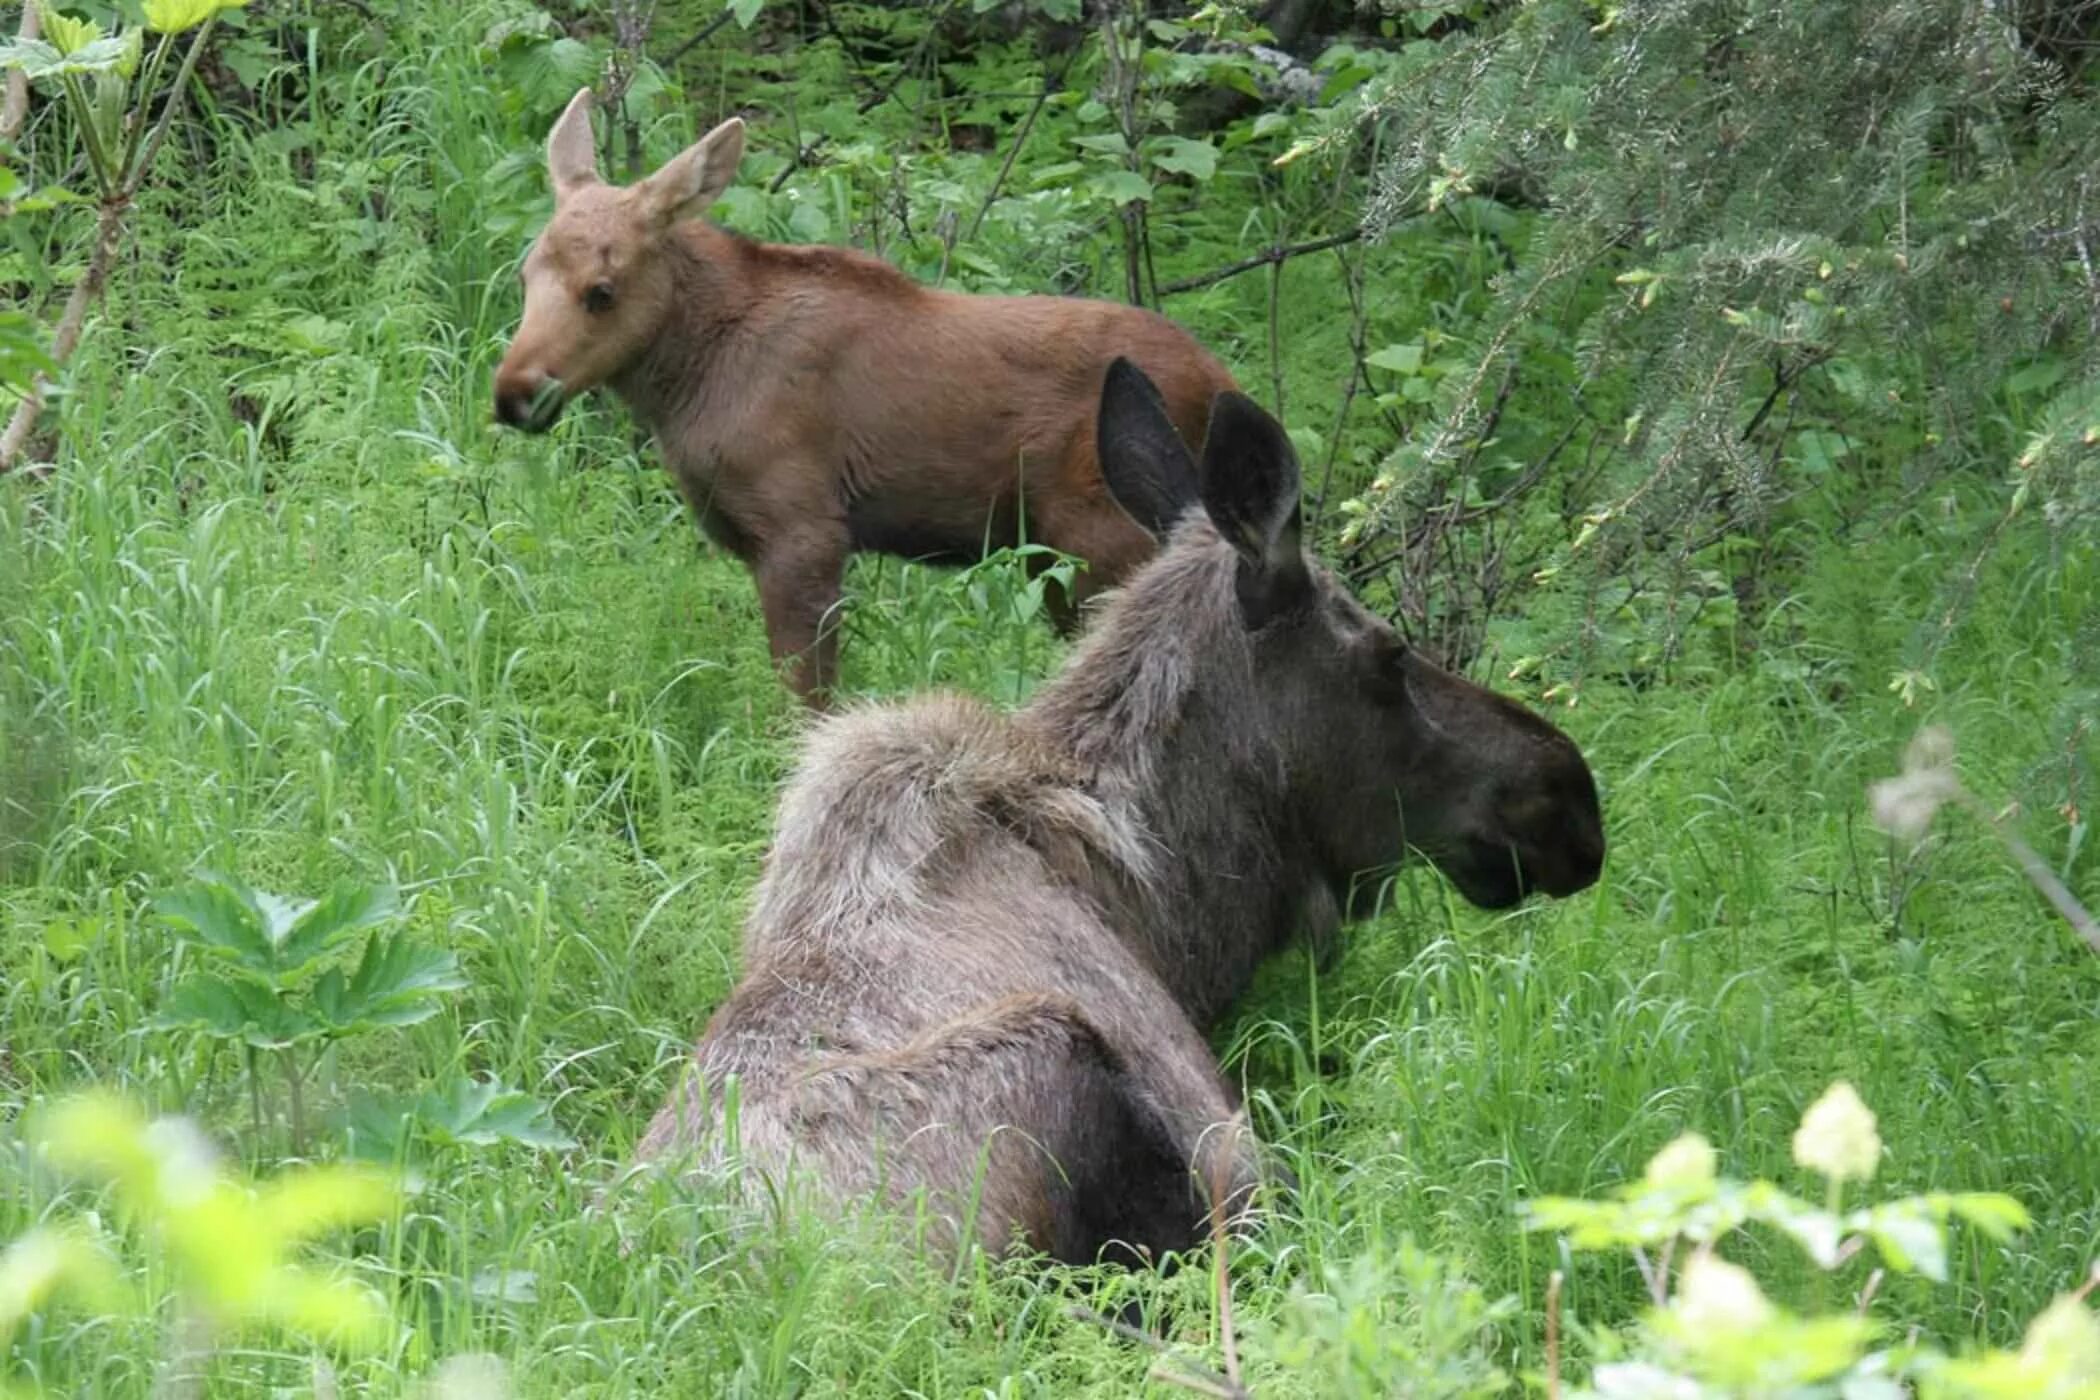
[323, 926]
[547, 73]
[2037, 377]
[2000, 1217]
[1196, 159]
[1120, 187]
[66, 34]
[746, 11]
[1401, 359]
[378, 1125]
[22, 355]
[67, 939]
[480, 1112]
[469, 1112]
[38, 60]
[397, 983]
[236, 1009]
[1910, 1238]
[224, 916]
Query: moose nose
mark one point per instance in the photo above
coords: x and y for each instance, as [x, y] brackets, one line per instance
[514, 408]
[531, 399]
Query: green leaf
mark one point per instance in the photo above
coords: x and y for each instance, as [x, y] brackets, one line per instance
[38, 60]
[1196, 159]
[469, 1112]
[174, 16]
[1910, 1238]
[322, 927]
[223, 915]
[1401, 359]
[481, 1112]
[268, 935]
[234, 1009]
[68, 35]
[1817, 450]
[746, 11]
[548, 72]
[398, 982]
[1120, 187]
[1108, 143]
[2040, 376]
[1998, 1216]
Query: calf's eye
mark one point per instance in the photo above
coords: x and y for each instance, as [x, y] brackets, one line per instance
[599, 298]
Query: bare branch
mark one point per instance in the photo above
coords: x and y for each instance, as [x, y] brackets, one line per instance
[1261, 259]
[15, 109]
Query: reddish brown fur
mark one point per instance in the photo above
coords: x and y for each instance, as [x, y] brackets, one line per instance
[812, 402]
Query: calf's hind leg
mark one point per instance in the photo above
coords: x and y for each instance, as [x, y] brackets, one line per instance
[1021, 1111]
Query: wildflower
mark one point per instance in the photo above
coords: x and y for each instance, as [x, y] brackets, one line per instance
[1687, 1160]
[1837, 1136]
[1714, 1295]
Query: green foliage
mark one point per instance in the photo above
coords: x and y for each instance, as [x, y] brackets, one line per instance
[271, 946]
[231, 1246]
[1712, 1332]
[1398, 1324]
[470, 1112]
[289, 605]
[269, 996]
[1777, 258]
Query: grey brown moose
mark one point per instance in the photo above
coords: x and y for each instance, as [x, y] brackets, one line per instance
[815, 401]
[996, 941]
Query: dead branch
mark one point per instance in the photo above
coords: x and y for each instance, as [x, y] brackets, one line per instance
[15, 109]
[1261, 259]
[109, 232]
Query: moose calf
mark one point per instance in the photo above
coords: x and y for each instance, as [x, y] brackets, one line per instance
[1001, 938]
[814, 401]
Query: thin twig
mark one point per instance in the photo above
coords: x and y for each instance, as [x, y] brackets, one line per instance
[707, 31]
[1054, 83]
[2037, 871]
[1261, 259]
[1275, 337]
[1866, 1294]
[1359, 316]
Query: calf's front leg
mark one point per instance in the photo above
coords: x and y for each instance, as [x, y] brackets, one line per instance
[800, 578]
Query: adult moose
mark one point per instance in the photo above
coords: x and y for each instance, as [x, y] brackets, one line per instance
[981, 933]
[814, 401]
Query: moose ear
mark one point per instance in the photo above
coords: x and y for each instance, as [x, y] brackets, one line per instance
[1144, 461]
[1249, 476]
[691, 181]
[572, 154]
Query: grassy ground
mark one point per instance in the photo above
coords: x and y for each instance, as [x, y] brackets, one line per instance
[291, 607]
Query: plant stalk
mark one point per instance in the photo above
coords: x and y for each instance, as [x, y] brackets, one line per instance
[118, 186]
[109, 233]
[14, 109]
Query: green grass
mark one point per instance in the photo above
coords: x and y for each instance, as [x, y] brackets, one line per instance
[291, 607]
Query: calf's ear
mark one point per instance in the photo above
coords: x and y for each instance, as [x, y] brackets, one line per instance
[572, 158]
[690, 182]
[1249, 483]
[1144, 461]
